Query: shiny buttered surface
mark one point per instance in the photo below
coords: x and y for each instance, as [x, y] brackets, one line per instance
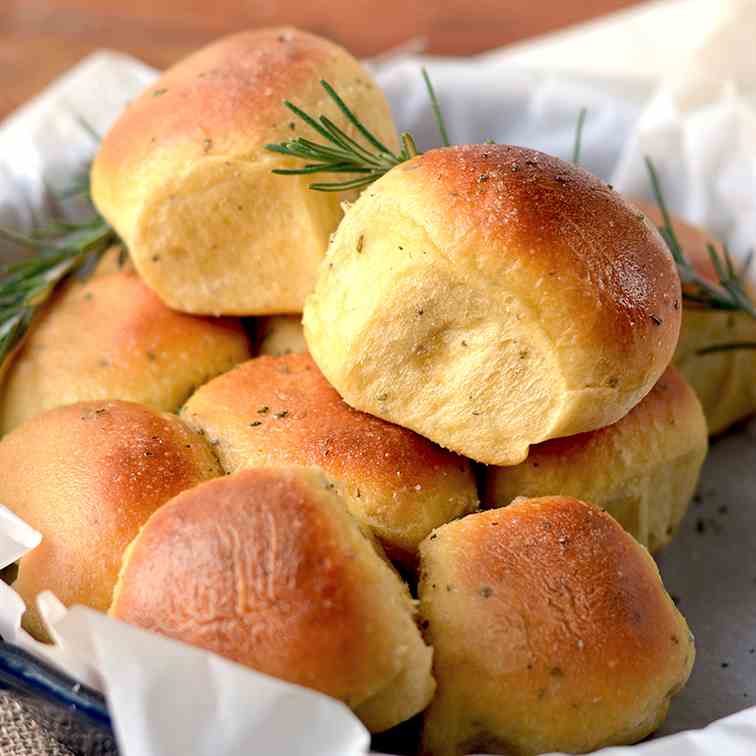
[185, 179]
[110, 337]
[642, 470]
[492, 297]
[87, 476]
[268, 568]
[551, 631]
[278, 411]
[725, 381]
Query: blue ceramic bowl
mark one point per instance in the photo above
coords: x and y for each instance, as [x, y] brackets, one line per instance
[73, 714]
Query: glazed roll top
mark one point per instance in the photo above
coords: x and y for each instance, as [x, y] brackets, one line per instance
[87, 476]
[267, 567]
[643, 469]
[551, 630]
[725, 381]
[110, 337]
[185, 179]
[281, 411]
[492, 297]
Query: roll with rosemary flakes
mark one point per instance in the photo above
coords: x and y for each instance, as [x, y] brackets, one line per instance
[110, 337]
[725, 380]
[642, 470]
[185, 179]
[551, 629]
[281, 411]
[87, 476]
[492, 297]
[267, 568]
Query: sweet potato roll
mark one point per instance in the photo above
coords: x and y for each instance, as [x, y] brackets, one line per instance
[551, 630]
[643, 469]
[267, 568]
[278, 411]
[110, 337]
[185, 179]
[492, 297]
[88, 476]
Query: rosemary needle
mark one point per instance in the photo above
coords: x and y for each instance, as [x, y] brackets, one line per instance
[579, 136]
[62, 248]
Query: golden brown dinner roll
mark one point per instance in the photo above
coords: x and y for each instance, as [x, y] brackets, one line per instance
[725, 381]
[278, 411]
[280, 334]
[185, 179]
[87, 476]
[110, 337]
[267, 568]
[491, 297]
[643, 469]
[551, 630]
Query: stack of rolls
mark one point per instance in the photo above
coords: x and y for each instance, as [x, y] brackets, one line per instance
[486, 322]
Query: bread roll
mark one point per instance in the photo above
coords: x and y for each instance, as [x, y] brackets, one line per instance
[185, 179]
[643, 469]
[267, 568]
[492, 297]
[724, 381]
[279, 411]
[110, 337]
[551, 630]
[280, 334]
[88, 476]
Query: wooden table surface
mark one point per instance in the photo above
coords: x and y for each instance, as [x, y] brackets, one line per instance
[39, 39]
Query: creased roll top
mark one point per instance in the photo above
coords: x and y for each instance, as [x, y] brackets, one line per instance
[267, 568]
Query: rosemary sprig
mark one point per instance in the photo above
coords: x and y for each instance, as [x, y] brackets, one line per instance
[342, 154]
[728, 293]
[63, 249]
[437, 114]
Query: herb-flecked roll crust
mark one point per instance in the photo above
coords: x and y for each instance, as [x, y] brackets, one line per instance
[551, 630]
[110, 337]
[643, 469]
[185, 179]
[725, 381]
[491, 297]
[267, 568]
[279, 411]
[87, 476]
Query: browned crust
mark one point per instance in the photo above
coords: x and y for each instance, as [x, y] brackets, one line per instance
[262, 568]
[294, 416]
[111, 336]
[589, 603]
[87, 476]
[228, 89]
[570, 231]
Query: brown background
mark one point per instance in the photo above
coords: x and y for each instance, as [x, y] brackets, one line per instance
[39, 39]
